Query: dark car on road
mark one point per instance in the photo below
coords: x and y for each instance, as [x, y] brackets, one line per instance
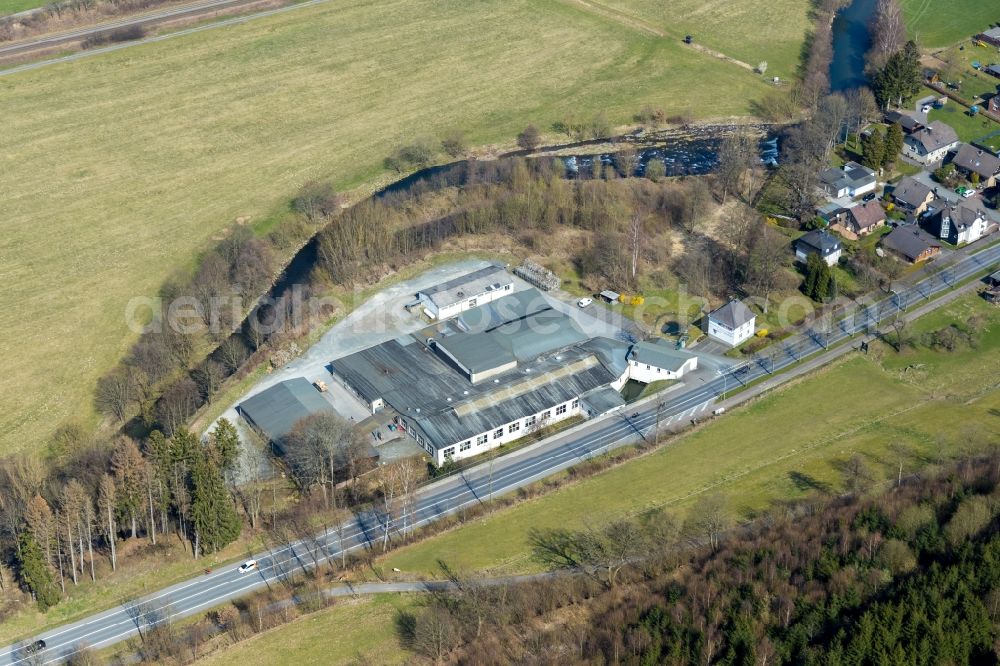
[35, 647]
[869, 197]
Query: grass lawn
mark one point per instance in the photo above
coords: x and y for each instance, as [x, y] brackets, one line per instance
[778, 448]
[749, 30]
[356, 631]
[968, 128]
[15, 6]
[938, 23]
[959, 69]
[129, 163]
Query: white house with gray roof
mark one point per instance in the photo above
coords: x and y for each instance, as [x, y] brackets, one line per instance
[851, 180]
[465, 292]
[732, 324]
[657, 360]
[930, 144]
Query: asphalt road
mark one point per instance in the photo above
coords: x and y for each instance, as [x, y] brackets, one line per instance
[158, 38]
[510, 472]
[142, 20]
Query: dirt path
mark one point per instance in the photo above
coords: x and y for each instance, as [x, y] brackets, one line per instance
[643, 26]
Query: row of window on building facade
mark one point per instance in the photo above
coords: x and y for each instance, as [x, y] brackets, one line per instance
[511, 428]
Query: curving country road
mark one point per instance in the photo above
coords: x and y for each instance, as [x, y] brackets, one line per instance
[517, 469]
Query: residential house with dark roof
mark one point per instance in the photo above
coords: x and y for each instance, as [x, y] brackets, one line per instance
[991, 36]
[993, 104]
[930, 144]
[910, 121]
[851, 180]
[912, 196]
[971, 160]
[819, 242]
[910, 244]
[865, 218]
[961, 223]
[992, 70]
[733, 323]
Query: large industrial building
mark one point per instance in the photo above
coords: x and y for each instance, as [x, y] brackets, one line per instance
[498, 372]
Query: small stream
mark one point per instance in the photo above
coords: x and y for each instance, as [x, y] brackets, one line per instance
[850, 43]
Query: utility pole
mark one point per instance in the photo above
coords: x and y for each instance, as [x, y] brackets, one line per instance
[656, 431]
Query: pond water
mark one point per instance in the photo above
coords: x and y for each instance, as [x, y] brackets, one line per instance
[850, 43]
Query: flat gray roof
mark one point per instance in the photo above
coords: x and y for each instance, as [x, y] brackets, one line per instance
[602, 400]
[471, 284]
[661, 354]
[277, 409]
[508, 308]
[476, 351]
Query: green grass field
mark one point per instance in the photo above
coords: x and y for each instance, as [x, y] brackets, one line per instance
[356, 631]
[938, 23]
[967, 127]
[125, 165]
[779, 448]
[8, 7]
[750, 30]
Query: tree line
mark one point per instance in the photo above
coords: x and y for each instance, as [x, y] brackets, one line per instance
[166, 376]
[908, 576]
[623, 227]
[60, 525]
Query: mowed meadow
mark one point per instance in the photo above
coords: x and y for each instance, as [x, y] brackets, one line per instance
[119, 169]
[749, 30]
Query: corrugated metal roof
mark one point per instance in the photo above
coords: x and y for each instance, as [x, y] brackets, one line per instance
[508, 308]
[276, 410]
[471, 284]
[556, 362]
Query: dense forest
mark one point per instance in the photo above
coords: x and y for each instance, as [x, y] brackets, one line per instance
[910, 576]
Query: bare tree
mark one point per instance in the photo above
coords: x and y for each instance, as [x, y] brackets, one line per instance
[766, 258]
[74, 497]
[737, 156]
[107, 500]
[707, 520]
[232, 352]
[248, 480]
[41, 523]
[388, 485]
[529, 139]
[409, 473]
[862, 108]
[888, 33]
[626, 161]
[116, 393]
[635, 240]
